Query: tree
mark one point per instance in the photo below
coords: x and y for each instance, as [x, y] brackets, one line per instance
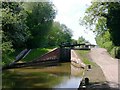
[108, 10]
[13, 18]
[104, 41]
[14, 31]
[24, 27]
[67, 33]
[54, 35]
[81, 40]
[113, 22]
[74, 41]
[105, 17]
[39, 22]
[58, 34]
[6, 50]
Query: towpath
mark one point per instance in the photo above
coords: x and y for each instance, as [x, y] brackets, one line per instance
[108, 65]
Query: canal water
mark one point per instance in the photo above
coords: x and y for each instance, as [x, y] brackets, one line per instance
[64, 75]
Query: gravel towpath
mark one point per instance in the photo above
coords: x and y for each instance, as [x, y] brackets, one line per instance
[108, 65]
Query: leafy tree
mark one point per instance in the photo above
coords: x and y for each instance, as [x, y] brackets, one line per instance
[13, 25]
[74, 41]
[6, 49]
[39, 21]
[67, 33]
[14, 31]
[105, 17]
[108, 10]
[58, 34]
[104, 41]
[54, 35]
[81, 40]
[24, 27]
[113, 22]
[101, 26]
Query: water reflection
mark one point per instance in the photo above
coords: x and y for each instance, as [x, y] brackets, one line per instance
[72, 82]
[76, 71]
[64, 75]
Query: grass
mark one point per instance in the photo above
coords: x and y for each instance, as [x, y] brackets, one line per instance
[35, 53]
[83, 55]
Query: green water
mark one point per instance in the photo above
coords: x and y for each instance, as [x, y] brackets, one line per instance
[64, 75]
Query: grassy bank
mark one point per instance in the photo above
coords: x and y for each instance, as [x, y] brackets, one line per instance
[95, 74]
[83, 55]
[35, 53]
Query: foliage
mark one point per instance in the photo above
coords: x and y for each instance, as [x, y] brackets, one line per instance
[104, 16]
[109, 12]
[6, 50]
[93, 14]
[13, 25]
[104, 41]
[19, 30]
[81, 40]
[67, 33]
[58, 34]
[24, 24]
[101, 26]
[113, 22]
[39, 21]
[30, 25]
[55, 34]
[73, 41]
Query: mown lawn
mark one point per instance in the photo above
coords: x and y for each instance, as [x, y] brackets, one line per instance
[35, 53]
[83, 55]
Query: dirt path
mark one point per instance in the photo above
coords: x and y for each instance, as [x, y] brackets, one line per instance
[107, 64]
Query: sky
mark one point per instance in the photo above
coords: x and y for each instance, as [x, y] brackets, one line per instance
[69, 13]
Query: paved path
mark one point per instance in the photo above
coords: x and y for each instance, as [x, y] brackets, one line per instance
[108, 64]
